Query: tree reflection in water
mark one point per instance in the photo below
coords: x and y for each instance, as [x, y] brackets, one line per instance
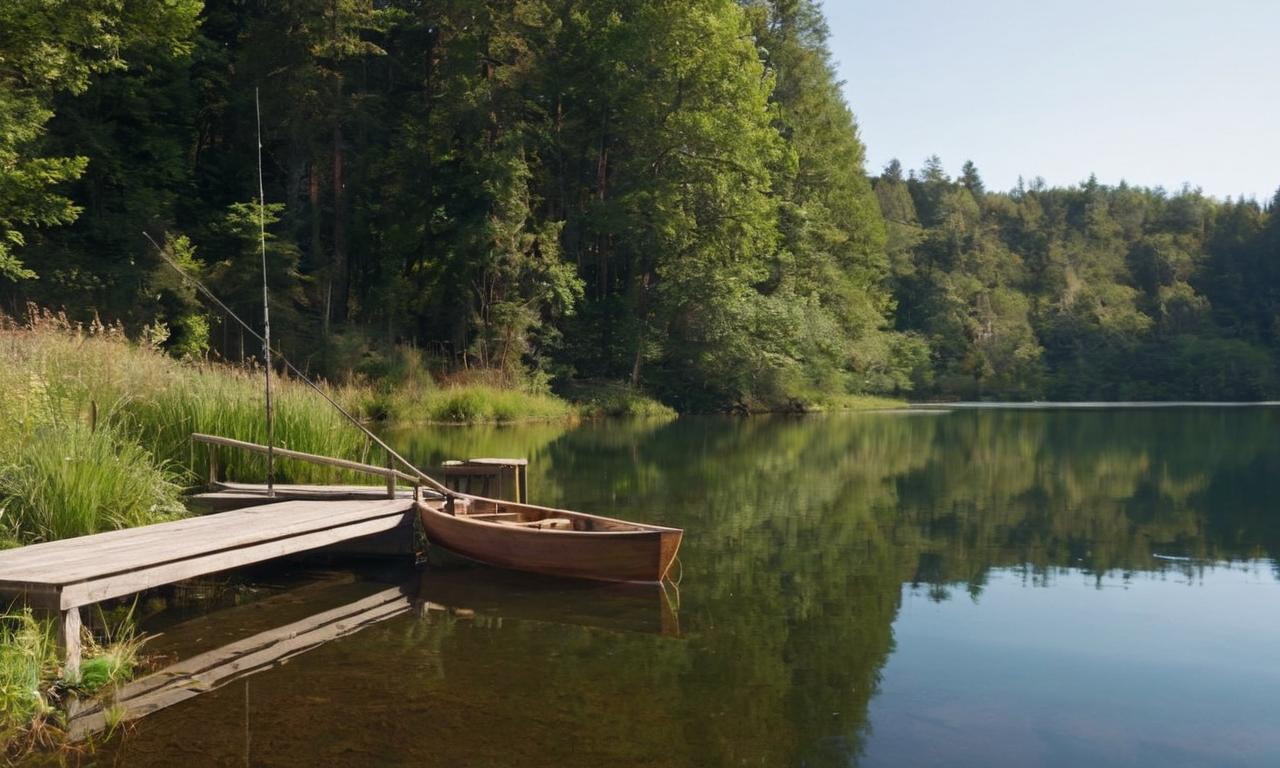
[800, 536]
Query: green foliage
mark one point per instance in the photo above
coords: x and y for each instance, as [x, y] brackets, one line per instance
[48, 50]
[32, 682]
[670, 194]
[479, 403]
[1088, 292]
[595, 399]
[71, 480]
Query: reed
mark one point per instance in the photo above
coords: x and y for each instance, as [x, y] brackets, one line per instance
[73, 480]
[28, 665]
[600, 399]
[56, 375]
[31, 682]
[462, 403]
[226, 401]
[837, 402]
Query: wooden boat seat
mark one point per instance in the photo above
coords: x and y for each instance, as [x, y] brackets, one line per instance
[553, 523]
[496, 517]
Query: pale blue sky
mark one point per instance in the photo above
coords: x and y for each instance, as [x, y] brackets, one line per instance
[1156, 92]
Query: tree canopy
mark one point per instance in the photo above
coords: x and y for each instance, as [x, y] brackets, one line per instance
[667, 194]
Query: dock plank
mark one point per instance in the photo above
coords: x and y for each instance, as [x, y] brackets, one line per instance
[289, 526]
[127, 582]
[71, 560]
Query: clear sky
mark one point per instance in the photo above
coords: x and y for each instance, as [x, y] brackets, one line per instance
[1155, 92]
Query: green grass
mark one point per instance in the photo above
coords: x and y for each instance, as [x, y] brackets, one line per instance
[28, 666]
[71, 480]
[55, 375]
[226, 401]
[600, 399]
[855, 403]
[31, 681]
[483, 403]
[409, 394]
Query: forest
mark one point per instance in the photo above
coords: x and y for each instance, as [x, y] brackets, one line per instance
[667, 195]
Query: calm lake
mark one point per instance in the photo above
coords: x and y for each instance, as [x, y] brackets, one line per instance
[975, 587]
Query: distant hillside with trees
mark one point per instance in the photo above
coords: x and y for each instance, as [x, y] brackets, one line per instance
[666, 194]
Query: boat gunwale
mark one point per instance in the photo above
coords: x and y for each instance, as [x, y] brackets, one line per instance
[641, 528]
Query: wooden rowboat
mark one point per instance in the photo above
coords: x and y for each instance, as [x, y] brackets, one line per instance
[555, 542]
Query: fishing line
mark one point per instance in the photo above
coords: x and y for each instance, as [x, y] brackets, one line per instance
[266, 306]
[425, 478]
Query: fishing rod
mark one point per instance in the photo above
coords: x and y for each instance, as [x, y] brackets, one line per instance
[425, 478]
[266, 306]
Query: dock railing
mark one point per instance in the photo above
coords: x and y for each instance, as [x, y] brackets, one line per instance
[389, 472]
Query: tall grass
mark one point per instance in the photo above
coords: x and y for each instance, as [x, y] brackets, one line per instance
[479, 403]
[226, 401]
[597, 399]
[28, 664]
[31, 682]
[55, 374]
[402, 389]
[73, 480]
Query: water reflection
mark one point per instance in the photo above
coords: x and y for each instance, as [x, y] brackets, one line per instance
[803, 531]
[821, 555]
[492, 596]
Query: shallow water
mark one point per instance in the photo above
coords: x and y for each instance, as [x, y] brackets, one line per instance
[979, 587]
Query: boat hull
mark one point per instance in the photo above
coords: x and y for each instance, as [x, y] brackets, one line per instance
[639, 555]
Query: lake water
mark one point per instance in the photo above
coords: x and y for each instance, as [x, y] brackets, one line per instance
[978, 587]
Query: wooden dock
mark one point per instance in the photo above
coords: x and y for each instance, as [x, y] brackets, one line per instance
[63, 576]
[251, 523]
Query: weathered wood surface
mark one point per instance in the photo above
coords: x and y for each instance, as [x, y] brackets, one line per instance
[222, 541]
[390, 473]
[226, 496]
[491, 478]
[594, 547]
[213, 669]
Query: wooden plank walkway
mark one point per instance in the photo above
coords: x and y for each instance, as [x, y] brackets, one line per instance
[62, 576]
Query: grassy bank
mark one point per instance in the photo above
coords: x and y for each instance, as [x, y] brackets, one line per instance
[32, 683]
[95, 430]
[855, 403]
[456, 403]
[94, 436]
[601, 399]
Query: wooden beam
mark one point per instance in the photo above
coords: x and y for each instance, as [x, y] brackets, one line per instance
[68, 638]
[354, 466]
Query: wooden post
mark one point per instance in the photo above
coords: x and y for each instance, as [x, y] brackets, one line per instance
[68, 631]
[391, 477]
[213, 465]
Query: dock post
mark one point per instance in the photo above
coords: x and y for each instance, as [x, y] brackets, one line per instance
[213, 465]
[68, 637]
[391, 477]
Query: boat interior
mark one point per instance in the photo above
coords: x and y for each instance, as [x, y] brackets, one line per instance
[537, 518]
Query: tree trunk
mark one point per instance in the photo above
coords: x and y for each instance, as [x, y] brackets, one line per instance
[641, 308]
[317, 247]
[339, 265]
